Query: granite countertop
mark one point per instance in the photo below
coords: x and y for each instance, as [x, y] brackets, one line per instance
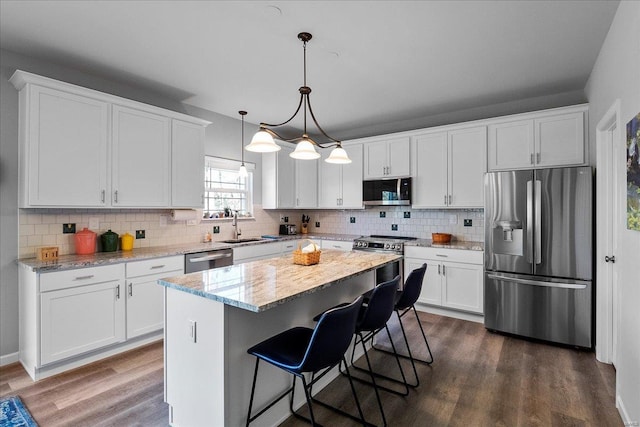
[67, 262]
[261, 285]
[464, 245]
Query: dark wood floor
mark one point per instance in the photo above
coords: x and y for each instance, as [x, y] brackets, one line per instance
[478, 379]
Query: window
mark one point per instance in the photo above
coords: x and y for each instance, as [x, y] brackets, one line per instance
[224, 190]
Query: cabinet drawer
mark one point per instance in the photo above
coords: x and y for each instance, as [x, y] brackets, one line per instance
[339, 245]
[80, 277]
[440, 254]
[155, 266]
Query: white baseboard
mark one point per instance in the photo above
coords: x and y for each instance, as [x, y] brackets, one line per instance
[7, 359]
[478, 318]
[626, 419]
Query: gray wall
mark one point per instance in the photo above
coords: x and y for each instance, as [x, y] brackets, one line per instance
[222, 139]
[616, 75]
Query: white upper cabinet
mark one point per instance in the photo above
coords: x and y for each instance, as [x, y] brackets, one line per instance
[187, 169]
[141, 159]
[388, 158]
[340, 186]
[449, 168]
[306, 172]
[278, 179]
[83, 148]
[64, 153]
[543, 139]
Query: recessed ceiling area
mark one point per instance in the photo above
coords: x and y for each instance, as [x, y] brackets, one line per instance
[370, 64]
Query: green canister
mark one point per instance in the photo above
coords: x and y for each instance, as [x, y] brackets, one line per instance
[109, 241]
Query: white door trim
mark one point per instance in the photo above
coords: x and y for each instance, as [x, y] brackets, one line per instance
[608, 133]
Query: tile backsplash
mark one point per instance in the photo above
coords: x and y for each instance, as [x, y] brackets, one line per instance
[43, 227]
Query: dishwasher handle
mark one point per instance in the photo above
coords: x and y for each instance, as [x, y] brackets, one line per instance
[211, 257]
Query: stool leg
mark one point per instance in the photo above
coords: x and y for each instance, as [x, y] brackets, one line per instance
[308, 397]
[353, 390]
[406, 342]
[253, 389]
[373, 380]
[423, 336]
[395, 354]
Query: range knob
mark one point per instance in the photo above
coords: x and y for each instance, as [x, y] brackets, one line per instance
[387, 246]
[365, 244]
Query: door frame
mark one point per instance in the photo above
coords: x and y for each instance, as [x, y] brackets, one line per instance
[608, 141]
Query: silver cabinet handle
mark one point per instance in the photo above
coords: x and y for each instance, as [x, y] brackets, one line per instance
[443, 256]
[439, 268]
[115, 196]
[532, 158]
[102, 196]
[443, 272]
[84, 277]
[130, 289]
[154, 267]
[538, 157]
[118, 292]
[611, 259]
[445, 199]
[449, 199]
[210, 257]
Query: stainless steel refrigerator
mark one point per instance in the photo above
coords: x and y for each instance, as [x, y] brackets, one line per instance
[538, 254]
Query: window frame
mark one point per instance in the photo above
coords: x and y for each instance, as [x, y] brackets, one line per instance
[229, 165]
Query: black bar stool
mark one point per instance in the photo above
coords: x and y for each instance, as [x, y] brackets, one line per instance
[299, 350]
[406, 303]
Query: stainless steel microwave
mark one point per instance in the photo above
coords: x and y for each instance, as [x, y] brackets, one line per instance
[381, 192]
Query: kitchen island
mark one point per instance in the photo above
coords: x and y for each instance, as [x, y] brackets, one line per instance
[213, 317]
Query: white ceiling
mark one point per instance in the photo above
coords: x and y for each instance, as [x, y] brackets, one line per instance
[368, 62]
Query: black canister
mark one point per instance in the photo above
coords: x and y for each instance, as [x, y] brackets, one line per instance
[109, 241]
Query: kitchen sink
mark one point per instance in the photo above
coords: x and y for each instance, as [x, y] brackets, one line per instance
[248, 239]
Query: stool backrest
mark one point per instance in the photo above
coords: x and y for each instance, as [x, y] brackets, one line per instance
[380, 306]
[331, 337]
[412, 288]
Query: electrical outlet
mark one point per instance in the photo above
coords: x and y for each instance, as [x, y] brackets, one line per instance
[286, 219]
[317, 224]
[394, 227]
[468, 222]
[407, 214]
[68, 228]
[281, 218]
[352, 219]
[216, 229]
[383, 214]
[139, 234]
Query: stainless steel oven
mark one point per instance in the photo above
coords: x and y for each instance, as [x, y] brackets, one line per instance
[388, 244]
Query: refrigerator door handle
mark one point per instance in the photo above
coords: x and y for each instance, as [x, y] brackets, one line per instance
[538, 222]
[577, 285]
[529, 247]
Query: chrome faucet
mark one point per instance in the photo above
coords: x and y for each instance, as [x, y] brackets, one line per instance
[237, 232]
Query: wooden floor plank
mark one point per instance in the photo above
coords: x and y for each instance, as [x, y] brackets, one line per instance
[478, 378]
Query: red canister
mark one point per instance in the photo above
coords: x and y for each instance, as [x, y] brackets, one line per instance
[85, 242]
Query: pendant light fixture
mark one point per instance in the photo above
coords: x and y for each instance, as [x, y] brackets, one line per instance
[263, 142]
[243, 169]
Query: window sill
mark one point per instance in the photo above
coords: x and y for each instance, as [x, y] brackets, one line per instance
[242, 218]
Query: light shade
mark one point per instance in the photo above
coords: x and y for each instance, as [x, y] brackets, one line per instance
[305, 151]
[243, 171]
[338, 156]
[262, 142]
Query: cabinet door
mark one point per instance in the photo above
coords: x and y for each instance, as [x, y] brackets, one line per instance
[510, 145]
[559, 140]
[375, 159]
[352, 179]
[399, 164]
[66, 149]
[329, 183]
[462, 286]
[187, 165]
[81, 319]
[431, 292]
[285, 187]
[467, 165]
[430, 171]
[306, 183]
[141, 159]
[145, 304]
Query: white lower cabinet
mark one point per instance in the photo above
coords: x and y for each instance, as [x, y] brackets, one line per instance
[454, 278]
[81, 319]
[72, 317]
[145, 306]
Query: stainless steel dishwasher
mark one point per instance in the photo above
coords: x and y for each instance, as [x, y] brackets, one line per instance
[199, 261]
